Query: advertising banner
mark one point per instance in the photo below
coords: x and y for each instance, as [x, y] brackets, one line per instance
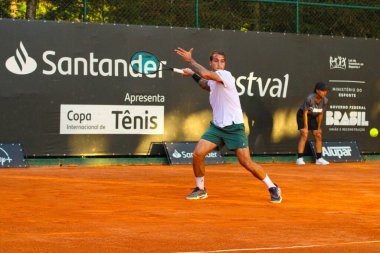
[12, 156]
[182, 153]
[68, 89]
[341, 151]
[111, 119]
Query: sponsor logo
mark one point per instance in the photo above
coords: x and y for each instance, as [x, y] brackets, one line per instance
[352, 118]
[337, 151]
[111, 119]
[176, 154]
[185, 154]
[340, 62]
[275, 87]
[22, 63]
[90, 65]
[4, 157]
[315, 110]
[182, 153]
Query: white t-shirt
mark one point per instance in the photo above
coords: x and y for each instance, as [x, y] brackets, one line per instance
[224, 100]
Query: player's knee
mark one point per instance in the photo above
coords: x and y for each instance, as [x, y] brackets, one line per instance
[245, 161]
[197, 155]
[318, 136]
[304, 134]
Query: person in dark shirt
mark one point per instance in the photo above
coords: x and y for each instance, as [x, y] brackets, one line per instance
[309, 118]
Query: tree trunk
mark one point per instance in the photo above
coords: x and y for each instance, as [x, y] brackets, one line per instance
[31, 7]
[256, 17]
[13, 8]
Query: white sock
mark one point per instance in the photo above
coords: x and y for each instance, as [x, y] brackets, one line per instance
[200, 182]
[268, 182]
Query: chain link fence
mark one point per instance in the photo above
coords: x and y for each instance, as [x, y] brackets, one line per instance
[354, 18]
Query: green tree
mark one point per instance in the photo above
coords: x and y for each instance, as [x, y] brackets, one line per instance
[4, 9]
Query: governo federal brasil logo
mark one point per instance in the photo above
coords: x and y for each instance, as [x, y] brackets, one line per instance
[21, 63]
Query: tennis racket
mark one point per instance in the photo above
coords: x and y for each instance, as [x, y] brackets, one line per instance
[147, 63]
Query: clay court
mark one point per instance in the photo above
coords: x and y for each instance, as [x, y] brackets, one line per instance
[333, 208]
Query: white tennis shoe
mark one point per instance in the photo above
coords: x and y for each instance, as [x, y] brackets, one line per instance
[321, 161]
[300, 161]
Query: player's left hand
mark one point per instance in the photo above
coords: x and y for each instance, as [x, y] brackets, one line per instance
[186, 55]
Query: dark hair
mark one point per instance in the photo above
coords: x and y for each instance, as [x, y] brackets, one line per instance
[320, 86]
[217, 52]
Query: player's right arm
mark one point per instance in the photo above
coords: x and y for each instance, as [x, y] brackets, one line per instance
[196, 67]
[203, 72]
[202, 82]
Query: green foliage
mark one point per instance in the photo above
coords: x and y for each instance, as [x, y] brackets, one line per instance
[4, 9]
[244, 15]
[66, 10]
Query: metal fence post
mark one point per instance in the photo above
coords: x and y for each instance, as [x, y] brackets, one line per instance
[297, 16]
[196, 14]
[84, 10]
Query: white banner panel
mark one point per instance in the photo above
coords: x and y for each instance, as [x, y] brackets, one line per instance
[111, 119]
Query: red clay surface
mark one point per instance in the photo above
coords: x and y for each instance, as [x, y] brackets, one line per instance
[333, 208]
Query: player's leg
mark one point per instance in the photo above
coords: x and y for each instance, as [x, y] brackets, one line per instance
[203, 148]
[303, 138]
[256, 170]
[301, 146]
[208, 142]
[318, 148]
[302, 141]
[318, 141]
[245, 160]
[235, 139]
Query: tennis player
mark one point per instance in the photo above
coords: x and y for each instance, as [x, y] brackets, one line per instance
[309, 118]
[227, 125]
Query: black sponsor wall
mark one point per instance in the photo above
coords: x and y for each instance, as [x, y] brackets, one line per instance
[66, 88]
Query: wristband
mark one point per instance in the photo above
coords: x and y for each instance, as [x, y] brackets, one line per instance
[196, 77]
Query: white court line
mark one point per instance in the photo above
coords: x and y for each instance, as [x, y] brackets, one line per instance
[282, 248]
[345, 81]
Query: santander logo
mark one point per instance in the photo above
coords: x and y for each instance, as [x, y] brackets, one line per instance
[21, 64]
[4, 158]
[176, 154]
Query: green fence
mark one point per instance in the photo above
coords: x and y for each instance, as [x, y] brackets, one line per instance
[354, 18]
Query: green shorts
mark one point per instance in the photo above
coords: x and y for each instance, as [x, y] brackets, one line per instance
[232, 136]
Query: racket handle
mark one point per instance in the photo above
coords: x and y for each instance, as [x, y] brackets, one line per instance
[179, 71]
